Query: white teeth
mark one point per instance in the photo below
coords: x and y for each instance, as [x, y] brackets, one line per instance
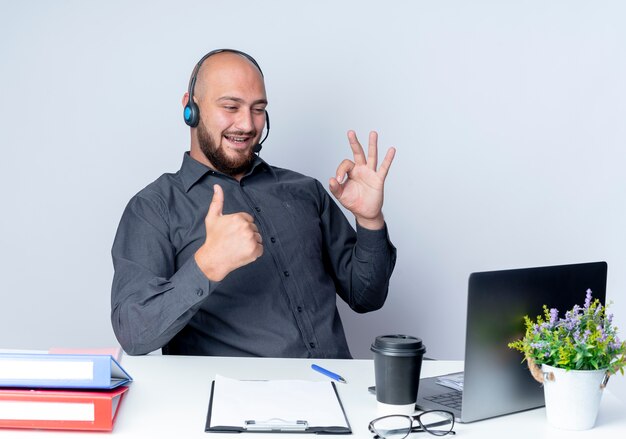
[236, 139]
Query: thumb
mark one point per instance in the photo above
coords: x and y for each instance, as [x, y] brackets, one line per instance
[217, 203]
[335, 187]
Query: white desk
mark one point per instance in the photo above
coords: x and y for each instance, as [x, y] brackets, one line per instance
[169, 399]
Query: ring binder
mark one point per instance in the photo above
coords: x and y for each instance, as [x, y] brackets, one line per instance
[61, 371]
[276, 424]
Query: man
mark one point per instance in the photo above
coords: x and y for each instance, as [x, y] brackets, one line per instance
[258, 273]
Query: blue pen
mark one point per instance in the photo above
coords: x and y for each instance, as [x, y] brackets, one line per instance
[328, 373]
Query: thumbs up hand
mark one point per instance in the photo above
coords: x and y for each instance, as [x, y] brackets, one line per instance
[232, 241]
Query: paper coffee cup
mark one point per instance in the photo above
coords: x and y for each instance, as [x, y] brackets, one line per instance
[397, 368]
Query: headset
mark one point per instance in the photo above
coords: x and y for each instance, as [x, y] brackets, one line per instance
[191, 112]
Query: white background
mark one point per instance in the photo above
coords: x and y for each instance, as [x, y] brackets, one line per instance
[508, 116]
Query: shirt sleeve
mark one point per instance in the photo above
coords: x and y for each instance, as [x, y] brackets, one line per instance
[361, 263]
[151, 301]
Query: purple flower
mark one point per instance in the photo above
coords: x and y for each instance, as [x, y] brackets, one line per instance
[581, 339]
[597, 312]
[554, 315]
[615, 344]
[577, 337]
[603, 335]
[536, 329]
[571, 321]
[588, 299]
[574, 313]
[544, 326]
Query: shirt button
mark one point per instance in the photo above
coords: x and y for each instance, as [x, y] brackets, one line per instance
[258, 209]
[286, 273]
[199, 292]
[312, 345]
[299, 309]
[273, 240]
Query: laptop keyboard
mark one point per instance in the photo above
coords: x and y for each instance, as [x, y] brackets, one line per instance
[451, 399]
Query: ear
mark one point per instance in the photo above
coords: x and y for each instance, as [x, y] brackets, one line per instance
[185, 99]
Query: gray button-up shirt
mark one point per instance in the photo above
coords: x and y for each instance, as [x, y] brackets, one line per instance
[281, 305]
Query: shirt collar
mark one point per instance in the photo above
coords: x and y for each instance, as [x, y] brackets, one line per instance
[192, 171]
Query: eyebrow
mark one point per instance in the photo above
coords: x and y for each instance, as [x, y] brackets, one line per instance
[241, 101]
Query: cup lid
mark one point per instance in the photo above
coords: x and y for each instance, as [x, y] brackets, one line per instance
[398, 345]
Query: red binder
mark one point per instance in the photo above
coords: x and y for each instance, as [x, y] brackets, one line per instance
[60, 409]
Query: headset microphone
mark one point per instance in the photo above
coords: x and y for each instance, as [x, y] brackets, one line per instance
[258, 146]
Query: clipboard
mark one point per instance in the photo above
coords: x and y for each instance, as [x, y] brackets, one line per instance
[277, 406]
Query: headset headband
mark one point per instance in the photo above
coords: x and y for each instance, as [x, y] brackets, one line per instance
[194, 74]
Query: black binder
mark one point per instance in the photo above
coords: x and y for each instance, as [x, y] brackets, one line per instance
[277, 424]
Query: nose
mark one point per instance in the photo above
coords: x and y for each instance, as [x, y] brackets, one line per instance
[245, 121]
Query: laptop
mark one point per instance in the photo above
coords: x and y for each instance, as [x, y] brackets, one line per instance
[495, 382]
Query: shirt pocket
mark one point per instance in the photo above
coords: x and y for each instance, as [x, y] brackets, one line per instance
[306, 225]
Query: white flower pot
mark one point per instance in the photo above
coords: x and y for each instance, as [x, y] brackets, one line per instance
[572, 397]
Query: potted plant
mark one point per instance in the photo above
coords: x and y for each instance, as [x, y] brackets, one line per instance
[573, 357]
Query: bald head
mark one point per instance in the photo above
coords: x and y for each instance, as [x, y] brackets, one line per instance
[227, 70]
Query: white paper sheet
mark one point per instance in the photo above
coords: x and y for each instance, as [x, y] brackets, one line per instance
[238, 401]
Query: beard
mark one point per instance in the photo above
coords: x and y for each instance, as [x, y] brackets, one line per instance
[217, 157]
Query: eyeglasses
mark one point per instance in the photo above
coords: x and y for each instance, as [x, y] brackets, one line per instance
[436, 422]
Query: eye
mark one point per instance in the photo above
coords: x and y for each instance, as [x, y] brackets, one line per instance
[230, 107]
[259, 110]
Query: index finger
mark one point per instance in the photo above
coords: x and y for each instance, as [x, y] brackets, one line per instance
[357, 149]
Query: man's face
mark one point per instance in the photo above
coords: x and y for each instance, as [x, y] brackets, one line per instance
[232, 105]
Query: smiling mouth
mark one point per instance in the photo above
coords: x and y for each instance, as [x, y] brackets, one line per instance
[236, 139]
[239, 142]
